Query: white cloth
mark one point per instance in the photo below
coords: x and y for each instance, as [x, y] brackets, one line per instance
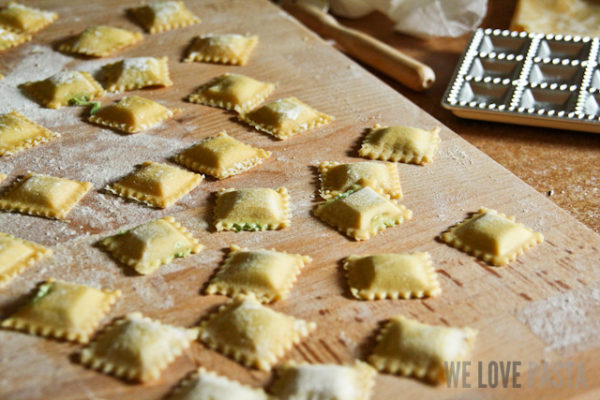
[419, 17]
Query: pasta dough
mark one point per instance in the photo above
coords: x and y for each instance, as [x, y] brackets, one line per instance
[62, 88]
[362, 214]
[17, 254]
[132, 114]
[408, 347]
[18, 133]
[44, 195]
[207, 385]
[401, 143]
[137, 73]
[232, 92]
[101, 41]
[251, 333]
[268, 274]
[254, 209]
[19, 18]
[221, 156]
[567, 17]
[402, 275]
[492, 236]
[337, 178]
[156, 184]
[324, 381]
[146, 247]
[163, 16]
[63, 310]
[136, 347]
[284, 118]
[10, 39]
[223, 49]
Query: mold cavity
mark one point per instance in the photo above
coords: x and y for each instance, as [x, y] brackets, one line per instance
[549, 73]
[492, 68]
[595, 83]
[592, 105]
[484, 93]
[547, 99]
[503, 44]
[554, 49]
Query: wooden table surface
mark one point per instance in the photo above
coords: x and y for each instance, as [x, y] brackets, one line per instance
[542, 307]
[563, 165]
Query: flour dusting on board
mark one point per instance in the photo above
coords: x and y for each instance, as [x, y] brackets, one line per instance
[40, 62]
[565, 322]
[25, 348]
[72, 158]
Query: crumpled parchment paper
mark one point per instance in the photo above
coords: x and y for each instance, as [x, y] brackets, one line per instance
[419, 17]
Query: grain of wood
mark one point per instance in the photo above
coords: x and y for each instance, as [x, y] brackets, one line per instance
[509, 306]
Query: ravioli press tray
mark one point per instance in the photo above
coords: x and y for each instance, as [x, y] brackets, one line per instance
[529, 79]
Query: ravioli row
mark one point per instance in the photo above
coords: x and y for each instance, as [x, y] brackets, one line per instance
[23, 21]
[400, 348]
[226, 330]
[135, 347]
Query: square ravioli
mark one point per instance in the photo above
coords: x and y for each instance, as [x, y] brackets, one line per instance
[222, 49]
[17, 254]
[337, 178]
[132, 114]
[251, 333]
[492, 237]
[18, 133]
[156, 184]
[206, 385]
[286, 117]
[232, 92]
[254, 209]
[100, 41]
[63, 88]
[221, 156]
[363, 213]
[10, 39]
[163, 16]
[267, 274]
[136, 73]
[43, 195]
[324, 381]
[19, 18]
[136, 347]
[63, 310]
[393, 276]
[401, 144]
[146, 247]
[408, 347]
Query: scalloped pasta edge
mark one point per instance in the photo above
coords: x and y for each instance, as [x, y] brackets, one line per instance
[394, 179]
[284, 223]
[219, 173]
[434, 289]
[230, 290]
[45, 136]
[265, 362]
[155, 200]
[40, 252]
[111, 245]
[13, 205]
[81, 335]
[369, 151]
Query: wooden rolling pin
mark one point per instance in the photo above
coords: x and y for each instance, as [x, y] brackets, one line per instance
[363, 47]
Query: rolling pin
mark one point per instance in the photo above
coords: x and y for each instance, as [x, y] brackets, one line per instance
[393, 63]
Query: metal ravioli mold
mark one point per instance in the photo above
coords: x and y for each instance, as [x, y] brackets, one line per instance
[529, 79]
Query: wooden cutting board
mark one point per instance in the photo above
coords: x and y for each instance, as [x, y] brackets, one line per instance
[543, 307]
